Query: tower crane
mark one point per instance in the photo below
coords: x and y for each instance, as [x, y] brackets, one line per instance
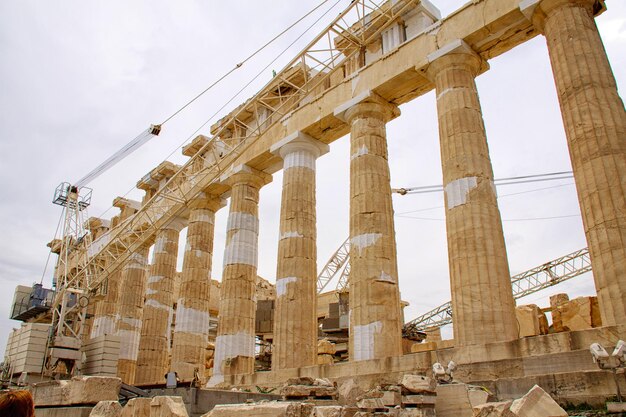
[337, 46]
[71, 291]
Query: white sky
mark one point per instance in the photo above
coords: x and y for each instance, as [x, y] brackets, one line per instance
[79, 79]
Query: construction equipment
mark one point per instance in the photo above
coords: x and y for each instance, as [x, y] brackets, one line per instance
[71, 290]
[536, 279]
[340, 44]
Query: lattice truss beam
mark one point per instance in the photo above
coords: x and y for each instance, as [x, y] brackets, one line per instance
[306, 75]
[525, 283]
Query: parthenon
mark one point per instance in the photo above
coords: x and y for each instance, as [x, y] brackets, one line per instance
[154, 320]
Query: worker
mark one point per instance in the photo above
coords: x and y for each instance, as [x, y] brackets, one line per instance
[17, 404]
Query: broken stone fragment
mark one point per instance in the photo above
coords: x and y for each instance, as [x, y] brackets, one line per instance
[537, 403]
[370, 403]
[418, 384]
[106, 409]
[137, 407]
[303, 380]
[348, 392]
[168, 406]
[497, 409]
[325, 347]
[308, 391]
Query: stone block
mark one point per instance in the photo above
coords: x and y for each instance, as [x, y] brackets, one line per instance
[78, 390]
[325, 346]
[325, 359]
[418, 384]
[537, 403]
[270, 409]
[137, 407]
[308, 391]
[348, 392]
[531, 320]
[423, 347]
[106, 409]
[168, 406]
[415, 412]
[477, 397]
[327, 411]
[580, 313]
[419, 400]
[63, 412]
[453, 401]
[370, 403]
[391, 398]
[498, 409]
[616, 407]
[557, 300]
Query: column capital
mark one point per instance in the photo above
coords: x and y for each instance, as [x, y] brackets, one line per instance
[204, 200]
[245, 174]
[537, 10]
[299, 141]
[366, 102]
[177, 223]
[454, 54]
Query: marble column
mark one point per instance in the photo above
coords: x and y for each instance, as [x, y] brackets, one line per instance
[375, 313]
[191, 328]
[130, 313]
[158, 309]
[595, 126]
[234, 345]
[295, 315]
[480, 281]
[106, 309]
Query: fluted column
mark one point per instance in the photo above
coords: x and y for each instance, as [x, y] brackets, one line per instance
[106, 314]
[234, 345]
[192, 309]
[130, 313]
[595, 126]
[158, 310]
[480, 281]
[375, 315]
[295, 316]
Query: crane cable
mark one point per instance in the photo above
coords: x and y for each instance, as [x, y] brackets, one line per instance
[154, 130]
[246, 85]
[239, 65]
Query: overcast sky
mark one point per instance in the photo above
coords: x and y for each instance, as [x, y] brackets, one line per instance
[80, 79]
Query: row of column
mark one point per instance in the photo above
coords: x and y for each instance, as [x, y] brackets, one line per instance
[482, 301]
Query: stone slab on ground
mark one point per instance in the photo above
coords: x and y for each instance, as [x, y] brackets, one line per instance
[269, 409]
[76, 391]
[63, 412]
[537, 403]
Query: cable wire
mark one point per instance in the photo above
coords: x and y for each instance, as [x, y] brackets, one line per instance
[239, 65]
[242, 89]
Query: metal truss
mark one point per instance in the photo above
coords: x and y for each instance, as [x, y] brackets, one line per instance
[525, 283]
[333, 265]
[303, 77]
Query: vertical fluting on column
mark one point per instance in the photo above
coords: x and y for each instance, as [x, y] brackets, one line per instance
[191, 328]
[130, 313]
[106, 314]
[234, 345]
[158, 309]
[295, 316]
[480, 281]
[375, 315]
[595, 127]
